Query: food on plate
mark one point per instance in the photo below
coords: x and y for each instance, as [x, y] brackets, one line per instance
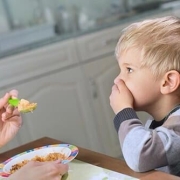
[26, 106]
[49, 157]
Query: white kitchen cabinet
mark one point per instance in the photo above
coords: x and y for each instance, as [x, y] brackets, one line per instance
[100, 76]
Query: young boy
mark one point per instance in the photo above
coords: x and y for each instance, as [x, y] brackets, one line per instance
[148, 55]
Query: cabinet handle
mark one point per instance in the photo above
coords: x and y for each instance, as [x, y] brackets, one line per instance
[108, 42]
[94, 90]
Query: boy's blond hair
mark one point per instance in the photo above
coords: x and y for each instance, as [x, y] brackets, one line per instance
[159, 42]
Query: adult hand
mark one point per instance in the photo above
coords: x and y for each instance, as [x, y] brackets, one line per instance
[40, 171]
[120, 97]
[10, 118]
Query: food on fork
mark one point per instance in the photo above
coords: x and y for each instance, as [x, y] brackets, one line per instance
[26, 106]
[22, 105]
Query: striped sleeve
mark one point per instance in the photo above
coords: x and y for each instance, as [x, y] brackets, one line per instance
[144, 149]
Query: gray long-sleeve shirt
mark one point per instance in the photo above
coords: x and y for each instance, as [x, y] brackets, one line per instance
[146, 149]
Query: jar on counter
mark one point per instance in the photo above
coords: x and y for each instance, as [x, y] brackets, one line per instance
[84, 22]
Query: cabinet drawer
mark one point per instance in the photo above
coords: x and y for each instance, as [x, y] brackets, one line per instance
[99, 43]
[37, 62]
[103, 42]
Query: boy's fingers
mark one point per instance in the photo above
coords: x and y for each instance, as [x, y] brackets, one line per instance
[121, 85]
[114, 87]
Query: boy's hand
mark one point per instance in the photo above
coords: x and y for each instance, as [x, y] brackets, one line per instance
[10, 118]
[120, 97]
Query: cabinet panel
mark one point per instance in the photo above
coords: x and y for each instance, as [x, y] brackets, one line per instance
[100, 76]
[37, 62]
[99, 43]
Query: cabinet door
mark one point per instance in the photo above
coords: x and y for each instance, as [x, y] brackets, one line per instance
[63, 110]
[100, 76]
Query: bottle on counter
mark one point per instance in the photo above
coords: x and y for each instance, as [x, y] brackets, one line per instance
[63, 20]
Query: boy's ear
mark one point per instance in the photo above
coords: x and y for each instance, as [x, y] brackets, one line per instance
[170, 82]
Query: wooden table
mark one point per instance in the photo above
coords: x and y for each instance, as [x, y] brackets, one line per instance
[94, 158]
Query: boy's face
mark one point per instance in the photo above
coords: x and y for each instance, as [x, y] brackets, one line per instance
[139, 80]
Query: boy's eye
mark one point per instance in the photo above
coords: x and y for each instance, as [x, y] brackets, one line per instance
[129, 70]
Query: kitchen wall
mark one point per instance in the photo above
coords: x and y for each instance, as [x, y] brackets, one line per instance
[28, 12]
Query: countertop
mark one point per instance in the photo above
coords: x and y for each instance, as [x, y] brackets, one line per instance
[62, 37]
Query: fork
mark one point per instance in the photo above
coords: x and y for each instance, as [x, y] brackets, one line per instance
[14, 102]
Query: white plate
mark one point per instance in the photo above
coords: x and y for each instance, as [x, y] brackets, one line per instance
[70, 151]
